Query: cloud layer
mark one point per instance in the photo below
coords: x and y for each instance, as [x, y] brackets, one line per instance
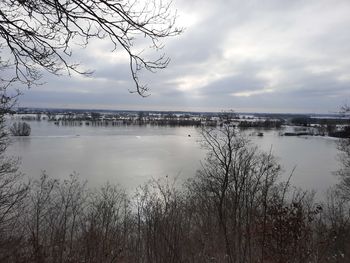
[267, 56]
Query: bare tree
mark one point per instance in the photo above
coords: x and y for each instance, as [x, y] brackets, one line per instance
[344, 157]
[39, 34]
[12, 193]
[106, 227]
[163, 224]
[344, 172]
[54, 218]
[235, 183]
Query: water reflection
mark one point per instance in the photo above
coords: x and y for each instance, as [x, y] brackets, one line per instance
[131, 155]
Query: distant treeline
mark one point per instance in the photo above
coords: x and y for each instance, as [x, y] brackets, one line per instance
[165, 122]
[305, 121]
[266, 124]
[328, 127]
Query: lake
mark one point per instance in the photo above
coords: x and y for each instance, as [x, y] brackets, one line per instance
[131, 155]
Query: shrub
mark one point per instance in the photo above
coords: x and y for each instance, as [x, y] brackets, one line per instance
[20, 129]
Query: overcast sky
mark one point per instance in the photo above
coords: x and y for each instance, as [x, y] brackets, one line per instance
[253, 56]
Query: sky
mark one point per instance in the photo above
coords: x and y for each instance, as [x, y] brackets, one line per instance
[246, 56]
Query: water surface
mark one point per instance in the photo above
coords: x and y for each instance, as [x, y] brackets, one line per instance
[131, 155]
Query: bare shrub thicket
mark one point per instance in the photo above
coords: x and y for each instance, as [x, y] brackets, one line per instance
[12, 194]
[20, 129]
[234, 210]
[332, 229]
[344, 172]
[107, 228]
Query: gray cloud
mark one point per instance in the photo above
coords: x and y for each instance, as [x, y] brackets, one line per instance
[273, 55]
[234, 84]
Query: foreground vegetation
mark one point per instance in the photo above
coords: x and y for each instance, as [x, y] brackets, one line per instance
[235, 209]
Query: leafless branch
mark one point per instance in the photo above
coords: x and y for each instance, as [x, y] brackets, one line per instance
[38, 34]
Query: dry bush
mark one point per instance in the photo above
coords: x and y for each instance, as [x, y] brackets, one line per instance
[20, 129]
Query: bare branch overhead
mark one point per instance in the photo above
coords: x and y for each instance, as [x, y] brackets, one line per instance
[38, 34]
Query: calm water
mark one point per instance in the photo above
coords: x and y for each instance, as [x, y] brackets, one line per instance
[131, 155]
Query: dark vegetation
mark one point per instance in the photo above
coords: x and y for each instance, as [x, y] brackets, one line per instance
[306, 121]
[20, 129]
[265, 124]
[343, 133]
[334, 127]
[236, 209]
